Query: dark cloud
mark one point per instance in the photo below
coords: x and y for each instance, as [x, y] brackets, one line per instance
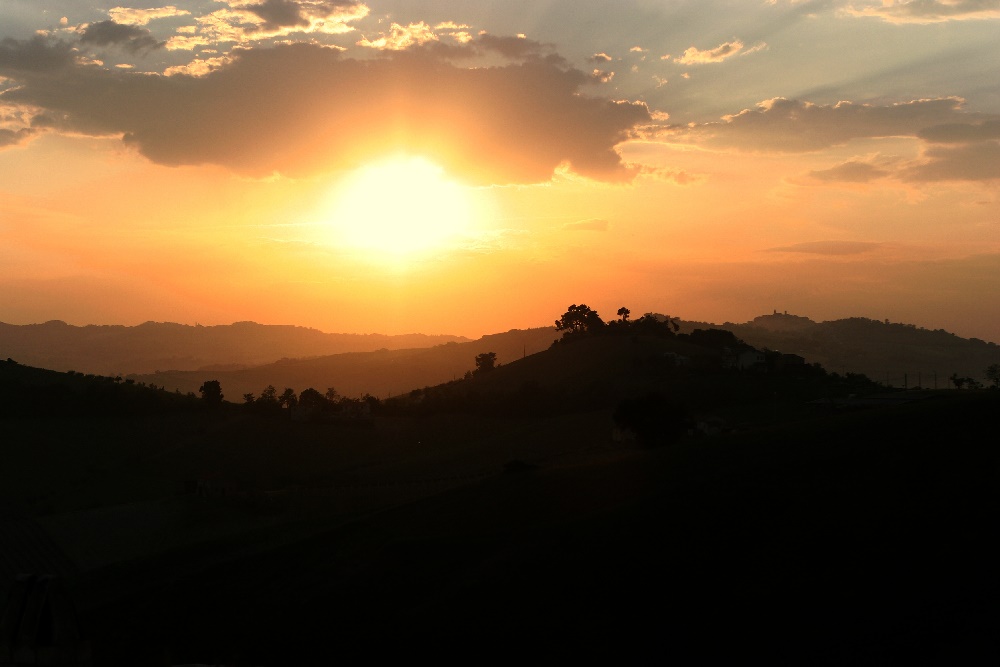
[129, 37]
[850, 172]
[278, 14]
[829, 247]
[955, 133]
[14, 137]
[782, 125]
[299, 109]
[20, 57]
[967, 162]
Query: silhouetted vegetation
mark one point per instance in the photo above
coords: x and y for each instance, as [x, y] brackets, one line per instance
[35, 392]
[485, 362]
[993, 374]
[579, 321]
[211, 392]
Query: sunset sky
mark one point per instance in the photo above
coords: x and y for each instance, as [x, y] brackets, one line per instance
[470, 167]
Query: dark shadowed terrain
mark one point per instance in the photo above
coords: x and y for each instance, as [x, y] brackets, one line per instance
[614, 497]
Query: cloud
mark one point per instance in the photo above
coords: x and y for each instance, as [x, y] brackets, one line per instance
[302, 109]
[968, 162]
[14, 137]
[695, 56]
[828, 247]
[602, 76]
[955, 133]
[35, 55]
[927, 11]
[781, 125]
[279, 14]
[401, 37]
[600, 58]
[129, 37]
[852, 171]
[187, 42]
[593, 225]
[199, 66]
[243, 21]
[129, 16]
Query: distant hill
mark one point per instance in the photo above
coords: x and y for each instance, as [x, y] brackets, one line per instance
[119, 350]
[246, 357]
[886, 352]
[380, 373]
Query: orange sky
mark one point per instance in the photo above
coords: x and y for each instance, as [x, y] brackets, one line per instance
[473, 167]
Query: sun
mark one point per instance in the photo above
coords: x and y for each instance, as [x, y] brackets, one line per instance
[400, 207]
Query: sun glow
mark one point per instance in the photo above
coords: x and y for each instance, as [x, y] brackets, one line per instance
[400, 207]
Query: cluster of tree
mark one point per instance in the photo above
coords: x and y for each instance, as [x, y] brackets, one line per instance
[580, 320]
[310, 400]
[992, 374]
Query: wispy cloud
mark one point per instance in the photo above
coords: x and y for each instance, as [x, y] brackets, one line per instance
[927, 11]
[852, 171]
[130, 16]
[828, 247]
[401, 37]
[782, 125]
[695, 56]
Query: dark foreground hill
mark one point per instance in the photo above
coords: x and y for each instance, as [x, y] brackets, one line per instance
[119, 350]
[456, 531]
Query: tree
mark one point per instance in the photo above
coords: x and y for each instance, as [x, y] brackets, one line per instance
[485, 362]
[211, 392]
[248, 398]
[651, 324]
[288, 398]
[623, 313]
[268, 398]
[993, 374]
[311, 398]
[579, 319]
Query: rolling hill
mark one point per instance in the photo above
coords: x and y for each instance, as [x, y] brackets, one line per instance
[892, 353]
[383, 373]
[120, 350]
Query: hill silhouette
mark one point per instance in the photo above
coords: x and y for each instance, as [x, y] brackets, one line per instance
[120, 350]
[209, 536]
[891, 353]
[382, 373]
[895, 355]
[246, 357]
